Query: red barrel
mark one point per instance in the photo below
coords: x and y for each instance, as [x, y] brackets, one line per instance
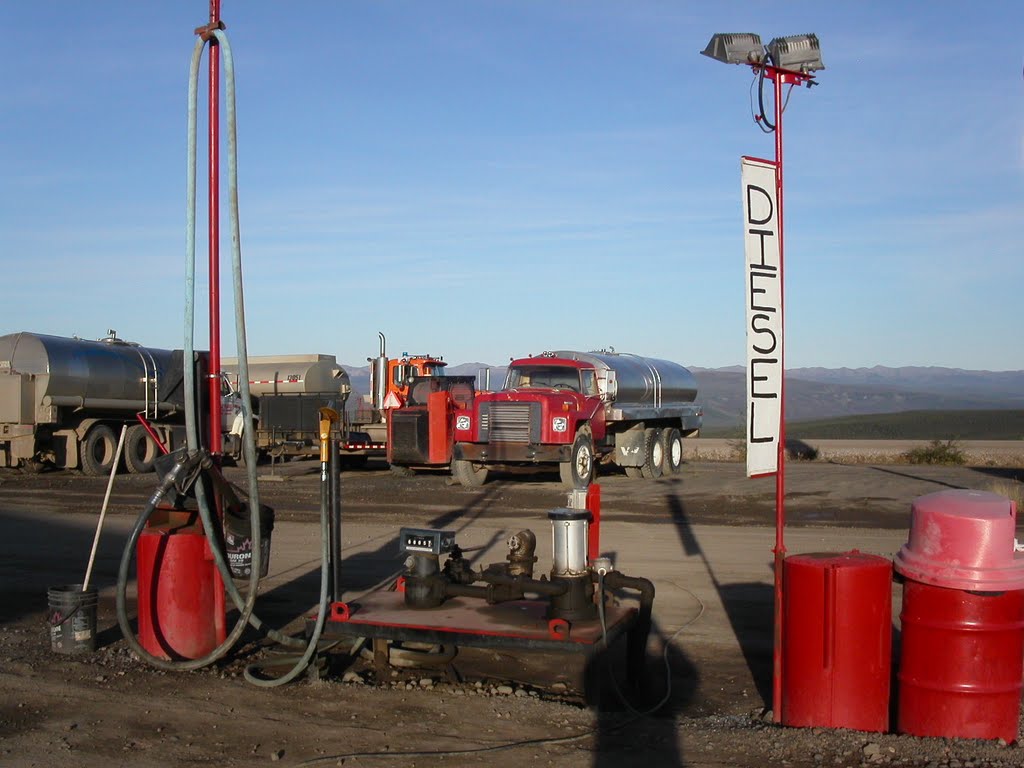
[962, 662]
[962, 644]
[837, 632]
[181, 594]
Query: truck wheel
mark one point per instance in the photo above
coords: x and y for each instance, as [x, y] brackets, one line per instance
[139, 450]
[578, 471]
[399, 470]
[654, 454]
[98, 450]
[672, 448]
[469, 474]
[633, 472]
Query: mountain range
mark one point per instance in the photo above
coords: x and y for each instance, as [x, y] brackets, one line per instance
[823, 393]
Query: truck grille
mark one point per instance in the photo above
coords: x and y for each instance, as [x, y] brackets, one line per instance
[509, 423]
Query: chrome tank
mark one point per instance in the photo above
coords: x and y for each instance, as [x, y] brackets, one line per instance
[291, 374]
[626, 379]
[70, 371]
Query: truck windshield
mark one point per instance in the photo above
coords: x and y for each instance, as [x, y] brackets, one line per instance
[544, 377]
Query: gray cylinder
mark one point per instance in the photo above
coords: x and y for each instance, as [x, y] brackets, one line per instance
[569, 541]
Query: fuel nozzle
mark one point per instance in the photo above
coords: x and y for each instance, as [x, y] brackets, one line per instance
[328, 416]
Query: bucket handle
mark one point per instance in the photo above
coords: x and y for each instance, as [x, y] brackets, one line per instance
[55, 623]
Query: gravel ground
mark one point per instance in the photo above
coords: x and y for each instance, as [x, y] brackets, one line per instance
[105, 708]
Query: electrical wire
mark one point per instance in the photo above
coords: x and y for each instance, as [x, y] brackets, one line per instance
[761, 117]
[668, 644]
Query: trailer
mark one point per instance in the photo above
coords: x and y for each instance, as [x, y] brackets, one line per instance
[287, 393]
[289, 390]
[578, 409]
[63, 401]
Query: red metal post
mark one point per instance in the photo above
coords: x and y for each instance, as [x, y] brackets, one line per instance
[594, 529]
[780, 475]
[214, 234]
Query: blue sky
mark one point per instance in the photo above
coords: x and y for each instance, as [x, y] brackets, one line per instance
[485, 179]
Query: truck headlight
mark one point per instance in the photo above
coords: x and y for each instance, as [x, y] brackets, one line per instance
[560, 424]
[462, 423]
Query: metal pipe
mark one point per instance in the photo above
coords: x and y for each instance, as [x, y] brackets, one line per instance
[334, 470]
[525, 584]
[214, 234]
[641, 629]
[780, 474]
[77, 401]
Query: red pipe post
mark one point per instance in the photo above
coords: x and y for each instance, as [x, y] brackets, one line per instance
[214, 234]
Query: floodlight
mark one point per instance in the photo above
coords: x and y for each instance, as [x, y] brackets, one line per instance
[799, 53]
[739, 48]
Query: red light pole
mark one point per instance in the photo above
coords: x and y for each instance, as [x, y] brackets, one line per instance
[792, 59]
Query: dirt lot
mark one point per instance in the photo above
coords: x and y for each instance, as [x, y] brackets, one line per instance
[704, 539]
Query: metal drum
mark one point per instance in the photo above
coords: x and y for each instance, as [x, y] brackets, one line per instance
[961, 662]
[962, 644]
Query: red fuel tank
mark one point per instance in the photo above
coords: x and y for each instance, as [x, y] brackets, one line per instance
[837, 649]
[181, 594]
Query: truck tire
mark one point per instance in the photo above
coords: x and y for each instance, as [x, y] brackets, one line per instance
[654, 454]
[139, 450]
[98, 450]
[469, 474]
[633, 472]
[399, 470]
[672, 448]
[578, 471]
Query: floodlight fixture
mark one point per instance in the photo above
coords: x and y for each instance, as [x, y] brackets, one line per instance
[797, 53]
[735, 48]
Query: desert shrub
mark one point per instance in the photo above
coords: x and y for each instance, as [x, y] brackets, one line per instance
[1011, 489]
[936, 452]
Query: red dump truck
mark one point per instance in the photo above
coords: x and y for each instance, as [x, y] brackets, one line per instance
[577, 409]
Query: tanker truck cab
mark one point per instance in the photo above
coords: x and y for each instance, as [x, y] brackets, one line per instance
[550, 410]
[577, 409]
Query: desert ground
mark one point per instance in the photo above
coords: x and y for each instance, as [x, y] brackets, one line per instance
[704, 538]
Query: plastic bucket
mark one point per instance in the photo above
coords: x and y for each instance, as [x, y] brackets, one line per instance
[72, 619]
[238, 541]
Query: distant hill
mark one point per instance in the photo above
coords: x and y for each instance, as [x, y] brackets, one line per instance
[819, 393]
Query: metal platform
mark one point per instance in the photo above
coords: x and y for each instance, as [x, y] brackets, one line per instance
[465, 621]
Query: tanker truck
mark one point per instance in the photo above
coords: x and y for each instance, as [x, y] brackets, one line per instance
[576, 409]
[289, 390]
[287, 393]
[63, 401]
